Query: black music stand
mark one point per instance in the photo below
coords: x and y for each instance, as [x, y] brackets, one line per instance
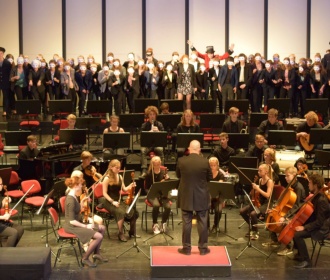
[202, 106]
[170, 121]
[318, 105]
[28, 107]
[212, 121]
[89, 123]
[142, 103]
[282, 105]
[73, 136]
[184, 139]
[323, 158]
[281, 137]
[161, 189]
[242, 105]
[135, 245]
[153, 139]
[116, 140]
[239, 140]
[319, 136]
[133, 122]
[174, 104]
[249, 244]
[226, 191]
[245, 162]
[257, 118]
[98, 107]
[5, 174]
[60, 107]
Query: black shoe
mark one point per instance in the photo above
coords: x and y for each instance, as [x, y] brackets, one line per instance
[303, 264]
[204, 251]
[184, 252]
[131, 235]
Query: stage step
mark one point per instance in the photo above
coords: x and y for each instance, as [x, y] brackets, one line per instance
[167, 262]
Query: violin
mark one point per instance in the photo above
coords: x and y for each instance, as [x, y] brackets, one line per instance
[302, 171]
[91, 171]
[6, 202]
[255, 196]
[131, 192]
[85, 208]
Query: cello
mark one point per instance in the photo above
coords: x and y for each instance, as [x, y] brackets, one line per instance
[285, 202]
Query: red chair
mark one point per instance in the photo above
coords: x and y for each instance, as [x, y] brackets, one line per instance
[2, 146]
[33, 203]
[58, 124]
[62, 236]
[14, 180]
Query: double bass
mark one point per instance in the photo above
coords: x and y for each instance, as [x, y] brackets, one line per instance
[285, 202]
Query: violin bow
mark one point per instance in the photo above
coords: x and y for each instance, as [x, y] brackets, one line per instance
[240, 171]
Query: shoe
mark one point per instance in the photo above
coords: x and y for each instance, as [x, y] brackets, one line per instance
[131, 235]
[164, 227]
[184, 252]
[88, 263]
[249, 234]
[303, 264]
[156, 229]
[271, 243]
[204, 251]
[285, 252]
[214, 229]
[122, 237]
[143, 175]
[100, 258]
[255, 235]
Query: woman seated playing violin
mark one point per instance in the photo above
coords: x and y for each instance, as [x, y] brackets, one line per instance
[262, 193]
[216, 203]
[156, 174]
[73, 222]
[298, 189]
[8, 230]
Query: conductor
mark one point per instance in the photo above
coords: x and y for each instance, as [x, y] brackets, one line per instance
[194, 172]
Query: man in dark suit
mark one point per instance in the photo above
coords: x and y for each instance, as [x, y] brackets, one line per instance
[194, 173]
[5, 68]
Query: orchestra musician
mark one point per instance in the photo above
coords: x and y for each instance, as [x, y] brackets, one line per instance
[262, 192]
[73, 224]
[112, 185]
[233, 124]
[12, 232]
[151, 125]
[157, 174]
[30, 152]
[224, 152]
[114, 127]
[270, 159]
[194, 172]
[72, 125]
[302, 167]
[317, 226]
[216, 203]
[297, 187]
[258, 149]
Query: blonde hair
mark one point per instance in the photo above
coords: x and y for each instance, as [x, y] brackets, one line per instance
[312, 115]
[153, 160]
[74, 181]
[233, 110]
[291, 170]
[85, 155]
[183, 119]
[214, 159]
[272, 154]
[71, 117]
[268, 168]
[113, 179]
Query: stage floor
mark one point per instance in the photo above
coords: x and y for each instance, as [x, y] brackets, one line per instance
[134, 265]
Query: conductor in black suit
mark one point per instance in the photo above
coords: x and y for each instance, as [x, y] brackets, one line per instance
[194, 172]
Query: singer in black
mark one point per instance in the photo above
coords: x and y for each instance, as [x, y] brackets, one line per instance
[151, 125]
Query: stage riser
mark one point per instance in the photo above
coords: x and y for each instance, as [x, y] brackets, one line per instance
[23, 263]
[190, 271]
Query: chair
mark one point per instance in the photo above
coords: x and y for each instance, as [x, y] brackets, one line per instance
[33, 203]
[62, 236]
[14, 180]
[2, 146]
[322, 243]
[57, 125]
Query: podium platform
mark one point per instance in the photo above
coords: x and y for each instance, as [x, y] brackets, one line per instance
[167, 262]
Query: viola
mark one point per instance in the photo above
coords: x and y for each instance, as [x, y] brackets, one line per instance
[85, 209]
[131, 192]
[285, 202]
[255, 196]
[91, 171]
[6, 203]
[302, 171]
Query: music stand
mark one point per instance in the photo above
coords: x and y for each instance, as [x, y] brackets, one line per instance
[14, 139]
[142, 103]
[319, 136]
[281, 137]
[5, 174]
[89, 123]
[174, 104]
[133, 122]
[61, 107]
[161, 189]
[239, 140]
[135, 245]
[98, 107]
[153, 139]
[242, 105]
[116, 140]
[170, 121]
[282, 105]
[28, 107]
[202, 106]
[257, 118]
[73, 136]
[245, 162]
[226, 191]
[184, 139]
[323, 158]
[318, 105]
[211, 121]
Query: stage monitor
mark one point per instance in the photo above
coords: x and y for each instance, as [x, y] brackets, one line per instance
[73, 136]
[184, 139]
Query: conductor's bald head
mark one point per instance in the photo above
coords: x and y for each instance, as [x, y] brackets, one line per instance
[194, 147]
